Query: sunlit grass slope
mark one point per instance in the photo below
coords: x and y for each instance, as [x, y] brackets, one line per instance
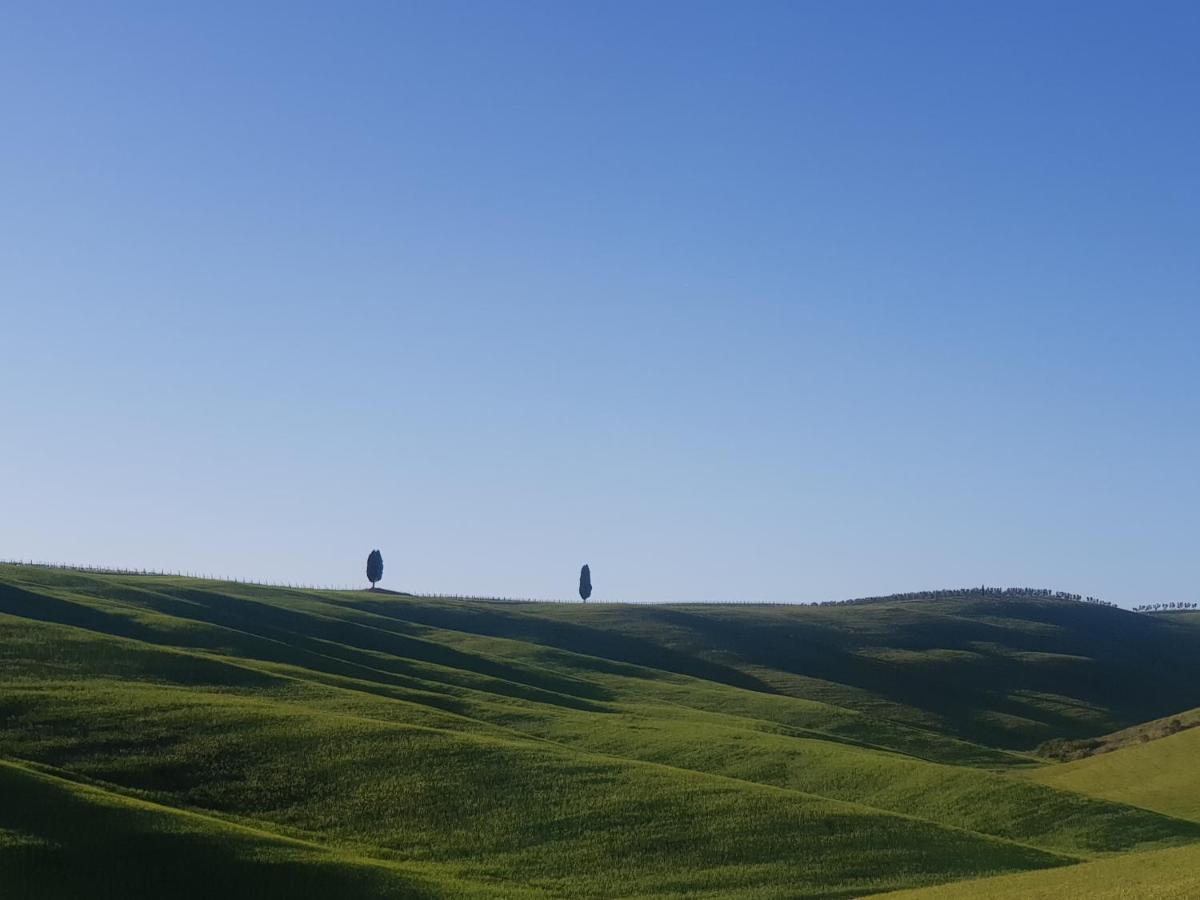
[1157, 875]
[1162, 774]
[571, 751]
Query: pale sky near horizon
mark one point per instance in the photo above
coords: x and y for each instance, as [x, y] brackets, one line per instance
[775, 301]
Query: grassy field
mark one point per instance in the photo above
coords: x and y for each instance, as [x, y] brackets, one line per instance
[359, 744]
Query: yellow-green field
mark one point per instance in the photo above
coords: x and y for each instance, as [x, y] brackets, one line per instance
[178, 736]
[1158, 875]
[1160, 774]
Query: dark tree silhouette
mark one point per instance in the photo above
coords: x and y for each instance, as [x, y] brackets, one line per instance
[585, 583]
[374, 568]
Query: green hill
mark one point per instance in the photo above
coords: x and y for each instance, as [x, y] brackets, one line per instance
[422, 747]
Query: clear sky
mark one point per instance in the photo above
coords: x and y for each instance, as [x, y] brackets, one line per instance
[779, 301]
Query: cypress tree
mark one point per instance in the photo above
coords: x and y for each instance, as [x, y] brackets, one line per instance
[374, 568]
[585, 583]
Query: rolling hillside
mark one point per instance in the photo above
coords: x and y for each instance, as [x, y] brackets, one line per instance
[395, 746]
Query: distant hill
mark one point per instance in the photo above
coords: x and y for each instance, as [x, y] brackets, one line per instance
[357, 744]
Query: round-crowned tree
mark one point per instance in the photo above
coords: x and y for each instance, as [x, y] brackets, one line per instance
[585, 583]
[374, 567]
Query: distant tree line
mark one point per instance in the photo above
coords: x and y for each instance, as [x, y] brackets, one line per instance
[1165, 607]
[975, 591]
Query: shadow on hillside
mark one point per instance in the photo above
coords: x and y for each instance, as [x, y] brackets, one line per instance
[1125, 667]
[601, 643]
[261, 631]
[1001, 672]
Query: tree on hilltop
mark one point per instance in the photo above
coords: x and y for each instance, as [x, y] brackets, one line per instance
[585, 583]
[374, 568]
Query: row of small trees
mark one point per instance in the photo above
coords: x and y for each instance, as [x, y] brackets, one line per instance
[1165, 607]
[979, 591]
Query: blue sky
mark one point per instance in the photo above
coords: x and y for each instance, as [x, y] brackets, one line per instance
[780, 301]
